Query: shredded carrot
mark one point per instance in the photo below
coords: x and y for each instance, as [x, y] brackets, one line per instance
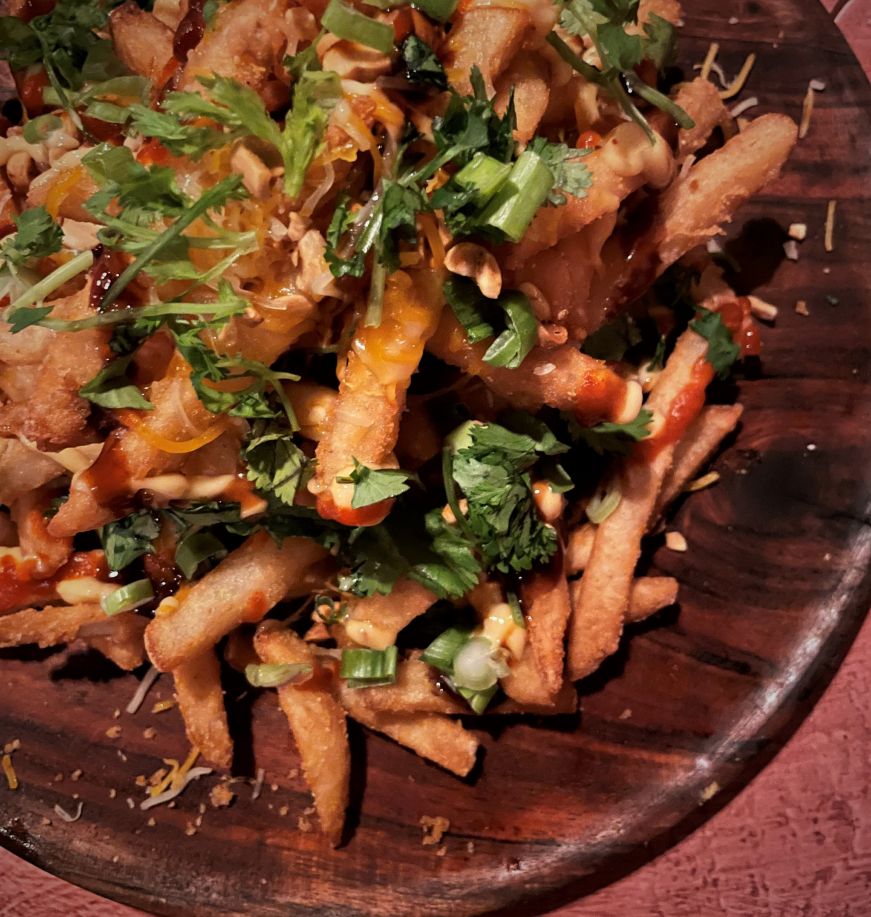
[132, 421]
[61, 189]
[738, 84]
[713, 51]
[9, 772]
[830, 226]
[430, 229]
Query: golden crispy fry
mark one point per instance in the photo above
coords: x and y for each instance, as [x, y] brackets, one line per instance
[317, 721]
[416, 690]
[240, 590]
[699, 443]
[563, 378]
[603, 597]
[538, 676]
[49, 626]
[527, 78]
[28, 513]
[650, 594]
[700, 99]
[201, 701]
[430, 735]
[376, 620]
[565, 701]
[580, 547]
[143, 42]
[119, 638]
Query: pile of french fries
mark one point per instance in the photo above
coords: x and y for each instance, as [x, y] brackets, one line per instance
[577, 261]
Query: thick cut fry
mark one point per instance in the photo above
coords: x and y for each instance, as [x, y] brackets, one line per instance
[240, 590]
[201, 701]
[47, 553]
[49, 626]
[142, 41]
[313, 406]
[119, 638]
[538, 676]
[580, 547]
[702, 438]
[701, 100]
[317, 721]
[566, 701]
[430, 735]
[650, 594]
[603, 597]
[375, 621]
[364, 423]
[527, 78]
[562, 378]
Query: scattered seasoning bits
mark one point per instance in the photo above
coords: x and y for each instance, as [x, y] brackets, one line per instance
[141, 780]
[11, 747]
[626, 714]
[829, 242]
[434, 829]
[149, 733]
[130, 803]
[190, 829]
[706, 480]
[470, 847]
[833, 300]
[797, 231]
[710, 791]
[121, 755]
[790, 249]
[303, 824]
[674, 541]
[801, 307]
[442, 850]
[293, 774]
[58, 778]
[221, 796]
[113, 793]
[116, 715]
[9, 772]
[811, 447]
[151, 822]
[46, 822]
[763, 310]
[76, 775]
[113, 732]
[283, 811]
[201, 808]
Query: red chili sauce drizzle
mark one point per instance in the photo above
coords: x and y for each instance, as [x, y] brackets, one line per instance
[18, 587]
[190, 31]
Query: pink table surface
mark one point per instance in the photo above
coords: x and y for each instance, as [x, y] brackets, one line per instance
[797, 840]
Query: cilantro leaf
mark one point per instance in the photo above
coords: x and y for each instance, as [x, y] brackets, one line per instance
[661, 43]
[111, 388]
[511, 348]
[422, 64]
[571, 174]
[129, 538]
[37, 237]
[467, 303]
[26, 316]
[372, 485]
[275, 463]
[315, 96]
[615, 437]
[453, 567]
[179, 138]
[722, 349]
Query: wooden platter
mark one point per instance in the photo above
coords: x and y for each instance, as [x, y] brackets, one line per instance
[774, 587]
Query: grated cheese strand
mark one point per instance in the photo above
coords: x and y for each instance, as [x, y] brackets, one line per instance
[807, 110]
[711, 56]
[704, 481]
[62, 813]
[829, 242]
[731, 91]
[148, 680]
[174, 791]
[9, 772]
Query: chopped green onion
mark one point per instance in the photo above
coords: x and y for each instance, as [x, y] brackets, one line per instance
[524, 191]
[513, 345]
[516, 610]
[484, 175]
[108, 112]
[441, 652]
[478, 665]
[329, 610]
[55, 280]
[345, 22]
[366, 668]
[127, 597]
[477, 700]
[36, 130]
[603, 503]
[195, 549]
[268, 675]
[440, 10]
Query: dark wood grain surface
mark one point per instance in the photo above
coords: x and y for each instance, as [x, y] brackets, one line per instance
[774, 586]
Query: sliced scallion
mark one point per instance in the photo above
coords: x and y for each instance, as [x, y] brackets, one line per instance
[267, 675]
[517, 202]
[603, 503]
[478, 665]
[516, 610]
[440, 654]
[483, 176]
[127, 597]
[345, 22]
[365, 668]
[54, 281]
[440, 10]
[478, 700]
[37, 129]
[513, 345]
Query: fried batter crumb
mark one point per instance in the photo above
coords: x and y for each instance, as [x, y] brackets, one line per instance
[113, 732]
[221, 796]
[434, 828]
[303, 824]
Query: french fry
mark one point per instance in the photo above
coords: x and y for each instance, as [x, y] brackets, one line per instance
[313, 406]
[240, 590]
[317, 722]
[49, 626]
[701, 440]
[603, 596]
[47, 554]
[564, 702]
[239, 649]
[23, 469]
[119, 638]
[537, 676]
[201, 701]
[562, 378]
[430, 735]
[376, 620]
[700, 99]
[650, 594]
[416, 690]
[580, 547]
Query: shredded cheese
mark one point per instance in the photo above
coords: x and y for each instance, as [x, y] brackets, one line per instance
[62, 813]
[762, 309]
[711, 56]
[731, 91]
[801, 307]
[743, 107]
[258, 783]
[148, 680]
[174, 791]
[162, 705]
[829, 242]
[706, 480]
[9, 772]
[674, 541]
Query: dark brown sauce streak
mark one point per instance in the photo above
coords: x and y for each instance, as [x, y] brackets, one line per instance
[190, 31]
[107, 268]
[34, 8]
[108, 478]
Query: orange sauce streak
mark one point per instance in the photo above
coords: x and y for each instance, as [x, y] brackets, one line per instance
[133, 421]
[347, 515]
[19, 587]
[61, 188]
